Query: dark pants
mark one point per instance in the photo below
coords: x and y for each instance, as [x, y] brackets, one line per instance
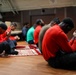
[63, 60]
[4, 46]
[12, 43]
[15, 42]
[31, 42]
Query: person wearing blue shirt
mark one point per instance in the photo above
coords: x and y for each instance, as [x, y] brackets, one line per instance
[24, 30]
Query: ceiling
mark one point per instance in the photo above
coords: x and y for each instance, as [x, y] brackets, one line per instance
[18, 5]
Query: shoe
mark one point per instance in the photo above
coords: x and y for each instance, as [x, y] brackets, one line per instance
[13, 52]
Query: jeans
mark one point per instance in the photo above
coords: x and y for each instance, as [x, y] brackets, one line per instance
[12, 43]
[31, 42]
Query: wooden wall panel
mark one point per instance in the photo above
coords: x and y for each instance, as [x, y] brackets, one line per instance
[71, 12]
[46, 18]
[9, 16]
[60, 13]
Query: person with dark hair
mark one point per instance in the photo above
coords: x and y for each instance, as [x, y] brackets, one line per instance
[12, 27]
[37, 30]
[30, 33]
[24, 30]
[5, 48]
[6, 37]
[44, 29]
[30, 37]
[39, 22]
[56, 49]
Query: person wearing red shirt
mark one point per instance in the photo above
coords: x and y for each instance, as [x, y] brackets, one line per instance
[56, 49]
[39, 23]
[7, 34]
[5, 48]
[44, 29]
[6, 37]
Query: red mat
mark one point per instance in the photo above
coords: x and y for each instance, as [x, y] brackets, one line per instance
[27, 50]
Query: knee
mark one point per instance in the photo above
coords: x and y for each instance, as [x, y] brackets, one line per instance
[5, 42]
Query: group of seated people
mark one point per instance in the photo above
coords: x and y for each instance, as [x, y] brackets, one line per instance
[51, 39]
[53, 42]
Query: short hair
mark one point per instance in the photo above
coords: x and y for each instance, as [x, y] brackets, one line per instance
[56, 20]
[68, 21]
[14, 24]
[3, 26]
[38, 21]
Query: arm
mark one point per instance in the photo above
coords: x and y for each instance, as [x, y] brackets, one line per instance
[8, 32]
[74, 38]
[62, 41]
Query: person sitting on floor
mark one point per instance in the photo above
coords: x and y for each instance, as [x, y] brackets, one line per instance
[37, 30]
[6, 37]
[5, 48]
[24, 30]
[56, 49]
[30, 33]
[30, 37]
[44, 29]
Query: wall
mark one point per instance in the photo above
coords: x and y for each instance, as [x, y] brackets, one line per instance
[71, 12]
[46, 14]
[9, 16]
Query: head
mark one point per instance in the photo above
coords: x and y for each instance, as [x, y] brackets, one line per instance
[55, 21]
[3, 28]
[13, 26]
[40, 22]
[67, 24]
[26, 25]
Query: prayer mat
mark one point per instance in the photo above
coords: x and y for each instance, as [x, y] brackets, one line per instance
[27, 50]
